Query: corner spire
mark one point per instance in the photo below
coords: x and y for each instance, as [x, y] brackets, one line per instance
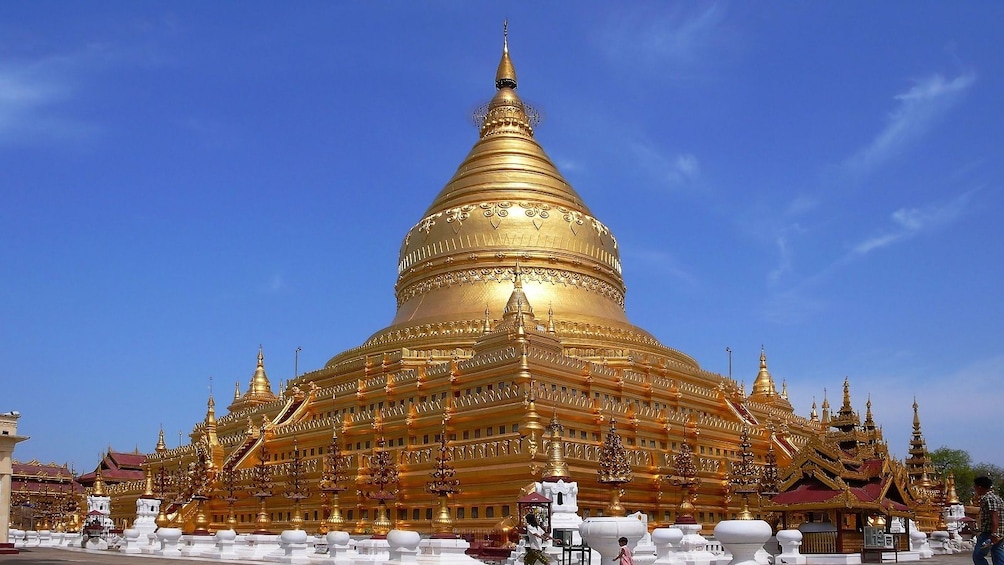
[557, 468]
[161, 445]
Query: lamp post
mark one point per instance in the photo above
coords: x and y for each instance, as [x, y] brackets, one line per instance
[296, 362]
[729, 351]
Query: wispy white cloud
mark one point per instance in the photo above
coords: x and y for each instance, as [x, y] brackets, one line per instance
[784, 261]
[910, 222]
[671, 171]
[36, 97]
[918, 109]
[681, 37]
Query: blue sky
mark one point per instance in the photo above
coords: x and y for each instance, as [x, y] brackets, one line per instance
[184, 181]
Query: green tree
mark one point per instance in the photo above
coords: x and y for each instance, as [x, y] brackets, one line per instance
[995, 472]
[959, 463]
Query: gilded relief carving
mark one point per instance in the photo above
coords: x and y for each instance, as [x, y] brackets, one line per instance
[500, 274]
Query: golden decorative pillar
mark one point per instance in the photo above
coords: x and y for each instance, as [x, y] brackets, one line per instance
[615, 469]
[262, 489]
[381, 473]
[744, 476]
[296, 487]
[443, 484]
[228, 477]
[199, 487]
[685, 476]
[332, 484]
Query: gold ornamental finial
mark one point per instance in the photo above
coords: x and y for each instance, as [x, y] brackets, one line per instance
[211, 412]
[237, 390]
[556, 468]
[952, 497]
[505, 77]
[148, 493]
[99, 484]
[847, 396]
[161, 445]
[869, 421]
[813, 415]
[916, 415]
[488, 321]
[826, 410]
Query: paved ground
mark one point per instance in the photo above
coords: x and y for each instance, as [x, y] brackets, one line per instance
[49, 556]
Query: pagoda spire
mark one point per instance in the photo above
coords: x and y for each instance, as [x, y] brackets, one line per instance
[237, 390]
[506, 113]
[259, 390]
[259, 381]
[826, 410]
[919, 466]
[161, 445]
[763, 386]
[869, 420]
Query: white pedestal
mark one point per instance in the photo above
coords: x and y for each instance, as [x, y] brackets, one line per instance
[790, 541]
[693, 546]
[225, 544]
[130, 541]
[293, 544]
[44, 538]
[403, 547]
[339, 550]
[667, 544]
[371, 552]
[265, 545]
[447, 551]
[199, 546]
[168, 538]
[601, 533]
[743, 538]
[31, 538]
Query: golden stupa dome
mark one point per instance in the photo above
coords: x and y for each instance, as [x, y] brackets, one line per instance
[508, 208]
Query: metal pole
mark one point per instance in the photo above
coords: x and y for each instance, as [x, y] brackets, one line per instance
[729, 351]
[296, 362]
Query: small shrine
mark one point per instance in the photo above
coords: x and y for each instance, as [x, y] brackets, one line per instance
[842, 490]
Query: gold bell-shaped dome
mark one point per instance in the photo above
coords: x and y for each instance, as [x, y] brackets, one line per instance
[508, 204]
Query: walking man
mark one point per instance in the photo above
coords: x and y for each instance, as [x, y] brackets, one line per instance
[991, 524]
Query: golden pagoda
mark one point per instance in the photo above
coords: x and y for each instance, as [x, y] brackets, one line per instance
[505, 238]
